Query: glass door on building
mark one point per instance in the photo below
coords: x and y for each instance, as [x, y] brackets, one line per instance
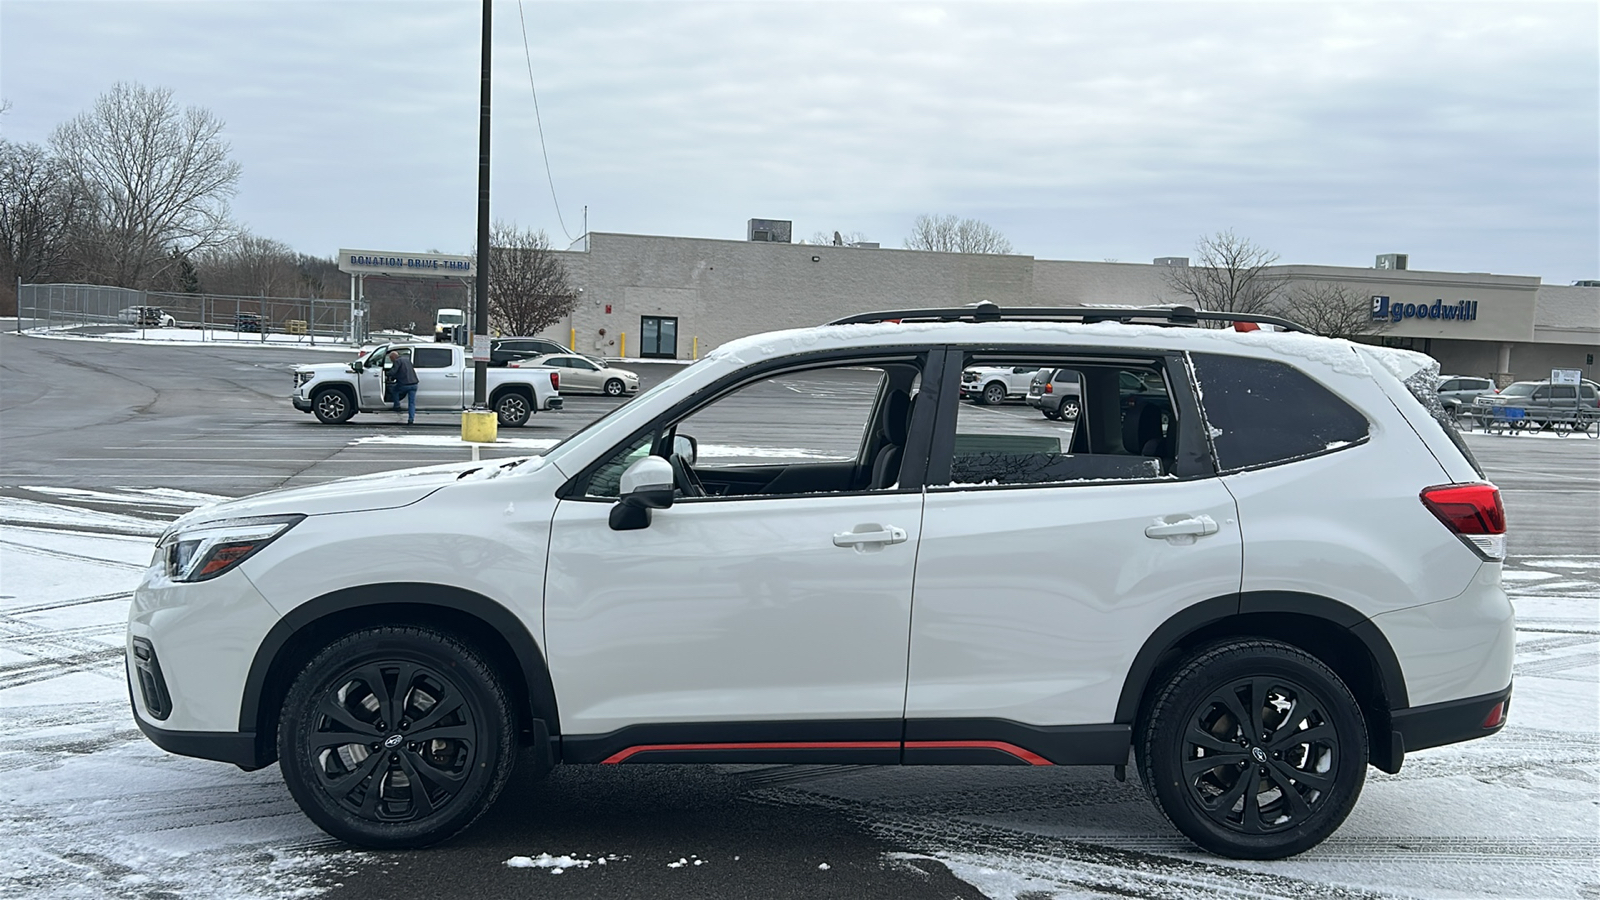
[658, 337]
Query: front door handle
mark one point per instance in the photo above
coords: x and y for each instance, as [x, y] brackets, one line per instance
[452, 375]
[1185, 526]
[870, 537]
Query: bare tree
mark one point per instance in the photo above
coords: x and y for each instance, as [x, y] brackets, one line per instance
[41, 209]
[1331, 309]
[528, 287]
[250, 265]
[1229, 274]
[838, 238]
[160, 177]
[947, 234]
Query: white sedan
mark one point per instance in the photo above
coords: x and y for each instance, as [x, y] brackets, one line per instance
[583, 374]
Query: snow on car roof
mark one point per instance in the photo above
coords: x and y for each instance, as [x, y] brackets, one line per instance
[1336, 354]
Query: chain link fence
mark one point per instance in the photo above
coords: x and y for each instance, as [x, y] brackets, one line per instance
[96, 309]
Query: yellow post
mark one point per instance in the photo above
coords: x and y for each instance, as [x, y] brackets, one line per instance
[572, 342]
[479, 426]
[622, 349]
[696, 347]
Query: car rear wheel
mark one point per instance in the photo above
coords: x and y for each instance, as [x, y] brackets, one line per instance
[1069, 409]
[395, 737]
[1050, 413]
[514, 408]
[332, 406]
[994, 393]
[1253, 749]
[615, 387]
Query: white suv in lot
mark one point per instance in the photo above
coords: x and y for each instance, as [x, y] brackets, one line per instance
[1265, 570]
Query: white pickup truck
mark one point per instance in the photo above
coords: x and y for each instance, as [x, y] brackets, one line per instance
[334, 392]
[996, 384]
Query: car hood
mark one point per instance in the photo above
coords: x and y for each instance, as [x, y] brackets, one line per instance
[363, 493]
[323, 367]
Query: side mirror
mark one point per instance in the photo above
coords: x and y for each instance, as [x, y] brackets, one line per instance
[646, 485]
[685, 448]
[356, 367]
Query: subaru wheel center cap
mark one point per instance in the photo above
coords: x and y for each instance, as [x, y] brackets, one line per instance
[393, 741]
[1259, 754]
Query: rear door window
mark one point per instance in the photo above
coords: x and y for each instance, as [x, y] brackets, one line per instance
[1262, 411]
[431, 358]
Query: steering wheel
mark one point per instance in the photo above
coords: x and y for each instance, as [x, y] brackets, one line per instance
[684, 475]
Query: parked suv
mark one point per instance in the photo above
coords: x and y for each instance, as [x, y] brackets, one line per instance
[1458, 391]
[1264, 570]
[146, 317]
[1054, 392]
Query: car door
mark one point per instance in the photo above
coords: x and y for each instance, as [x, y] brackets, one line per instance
[740, 620]
[439, 380]
[581, 375]
[1050, 551]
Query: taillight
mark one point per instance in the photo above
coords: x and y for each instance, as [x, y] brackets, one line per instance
[1496, 716]
[555, 381]
[1473, 512]
[1049, 388]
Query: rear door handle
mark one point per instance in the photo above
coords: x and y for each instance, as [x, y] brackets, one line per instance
[1187, 526]
[863, 537]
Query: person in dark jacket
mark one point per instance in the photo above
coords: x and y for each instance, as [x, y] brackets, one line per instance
[404, 379]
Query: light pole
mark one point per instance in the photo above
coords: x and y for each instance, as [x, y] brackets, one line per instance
[480, 306]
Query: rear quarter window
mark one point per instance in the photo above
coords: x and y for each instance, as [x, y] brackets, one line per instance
[1262, 411]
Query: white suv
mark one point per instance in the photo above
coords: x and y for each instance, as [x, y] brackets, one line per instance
[1276, 570]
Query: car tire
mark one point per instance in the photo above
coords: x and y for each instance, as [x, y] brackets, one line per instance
[384, 790]
[615, 388]
[514, 409]
[1264, 799]
[994, 393]
[1069, 410]
[332, 406]
[1051, 414]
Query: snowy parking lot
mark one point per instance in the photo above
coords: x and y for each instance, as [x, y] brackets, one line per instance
[91, 809]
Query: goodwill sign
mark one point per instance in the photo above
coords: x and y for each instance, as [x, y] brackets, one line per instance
[416, 265]
[1459, 311]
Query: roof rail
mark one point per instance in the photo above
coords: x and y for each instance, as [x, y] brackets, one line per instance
[1182, 316]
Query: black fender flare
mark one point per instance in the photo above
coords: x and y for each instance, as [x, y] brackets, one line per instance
[1171, 634]
[535, 673]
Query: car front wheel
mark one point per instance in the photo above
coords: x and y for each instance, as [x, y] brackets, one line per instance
[395, 737]
[994, 393]
[615, 387]
[332, 406]
[1253, 749]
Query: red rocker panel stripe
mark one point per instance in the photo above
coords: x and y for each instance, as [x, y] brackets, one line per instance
[1027, 756]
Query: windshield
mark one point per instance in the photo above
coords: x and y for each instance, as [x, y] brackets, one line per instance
[451, 318]
[1520, 389]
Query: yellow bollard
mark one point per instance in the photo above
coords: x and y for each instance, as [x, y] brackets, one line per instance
[479, 426]
[622, 350]
[696, 347]
[572, 342]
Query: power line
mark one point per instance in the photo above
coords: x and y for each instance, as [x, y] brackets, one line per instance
[528, 56]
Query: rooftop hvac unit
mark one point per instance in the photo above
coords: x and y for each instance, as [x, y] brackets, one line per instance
[1391, 261]
[1181, 262]
[774, 231]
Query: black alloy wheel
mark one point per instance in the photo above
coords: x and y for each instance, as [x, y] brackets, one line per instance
[332, 406]
[615, 387]
[395, 737]
[513, 409]
[1254, 750]
[994, 393]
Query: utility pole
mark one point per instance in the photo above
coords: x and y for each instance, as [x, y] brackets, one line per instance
[480, 306]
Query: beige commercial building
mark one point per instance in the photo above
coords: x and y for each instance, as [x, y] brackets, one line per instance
[677, 298]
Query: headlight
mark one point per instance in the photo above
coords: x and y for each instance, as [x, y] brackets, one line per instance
[204, 551]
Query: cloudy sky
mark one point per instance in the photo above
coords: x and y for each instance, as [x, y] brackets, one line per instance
[1466, 134]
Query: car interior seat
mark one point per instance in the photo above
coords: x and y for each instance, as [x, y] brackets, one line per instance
[896, 425]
